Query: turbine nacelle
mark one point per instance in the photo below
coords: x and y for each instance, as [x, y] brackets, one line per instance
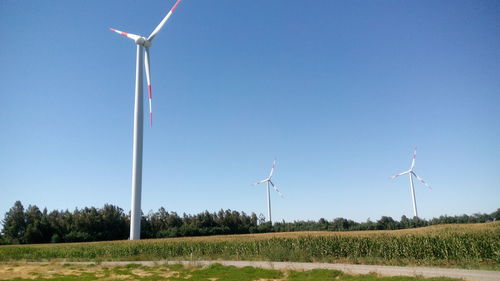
[143, 42]
[139, 40]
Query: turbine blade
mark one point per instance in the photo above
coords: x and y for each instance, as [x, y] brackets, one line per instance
[414, 157]
[276, 188]
[148, 79]
[422, 180]
[129, 35]
[400, 174]
[162, 23]
[272, 169]
[259, 182]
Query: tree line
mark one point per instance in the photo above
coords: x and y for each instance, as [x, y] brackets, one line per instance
[32, 225]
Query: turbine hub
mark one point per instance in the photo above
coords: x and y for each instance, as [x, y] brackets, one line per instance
[143, 42]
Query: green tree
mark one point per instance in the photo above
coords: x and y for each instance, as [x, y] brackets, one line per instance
[114, 225]
[386, 223]
[496, 215]
[33, 218]
[14, 224]
[340, 224]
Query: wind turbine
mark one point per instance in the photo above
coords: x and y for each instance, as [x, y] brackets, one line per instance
[143, 45]
[413, 174]
[269, 182]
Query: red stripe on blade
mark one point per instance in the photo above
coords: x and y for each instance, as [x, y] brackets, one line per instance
[175, 6]
[150, 93]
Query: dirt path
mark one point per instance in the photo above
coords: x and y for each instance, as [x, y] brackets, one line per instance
[472, 275]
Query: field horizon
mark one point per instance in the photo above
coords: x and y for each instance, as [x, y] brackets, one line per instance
[475, 246]
[294, 234]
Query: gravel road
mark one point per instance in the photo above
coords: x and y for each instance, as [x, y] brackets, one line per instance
[466, 274]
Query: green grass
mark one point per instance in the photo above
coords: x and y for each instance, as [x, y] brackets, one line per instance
[327, 275]
[464, 246]
[212, 272]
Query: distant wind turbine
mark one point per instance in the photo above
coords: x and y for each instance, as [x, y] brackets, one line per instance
[413, 174]
[269, 182]
[143, 45]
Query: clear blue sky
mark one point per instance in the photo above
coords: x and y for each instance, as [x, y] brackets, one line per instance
[339, 91]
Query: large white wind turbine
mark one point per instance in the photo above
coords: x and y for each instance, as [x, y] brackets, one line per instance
[143, 45]
[269, 182]
[413, 174]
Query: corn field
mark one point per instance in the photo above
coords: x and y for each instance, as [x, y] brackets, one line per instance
[448, 245]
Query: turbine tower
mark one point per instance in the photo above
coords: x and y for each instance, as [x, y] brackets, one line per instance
[143, 45]
[269, 182]
[413, 174]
